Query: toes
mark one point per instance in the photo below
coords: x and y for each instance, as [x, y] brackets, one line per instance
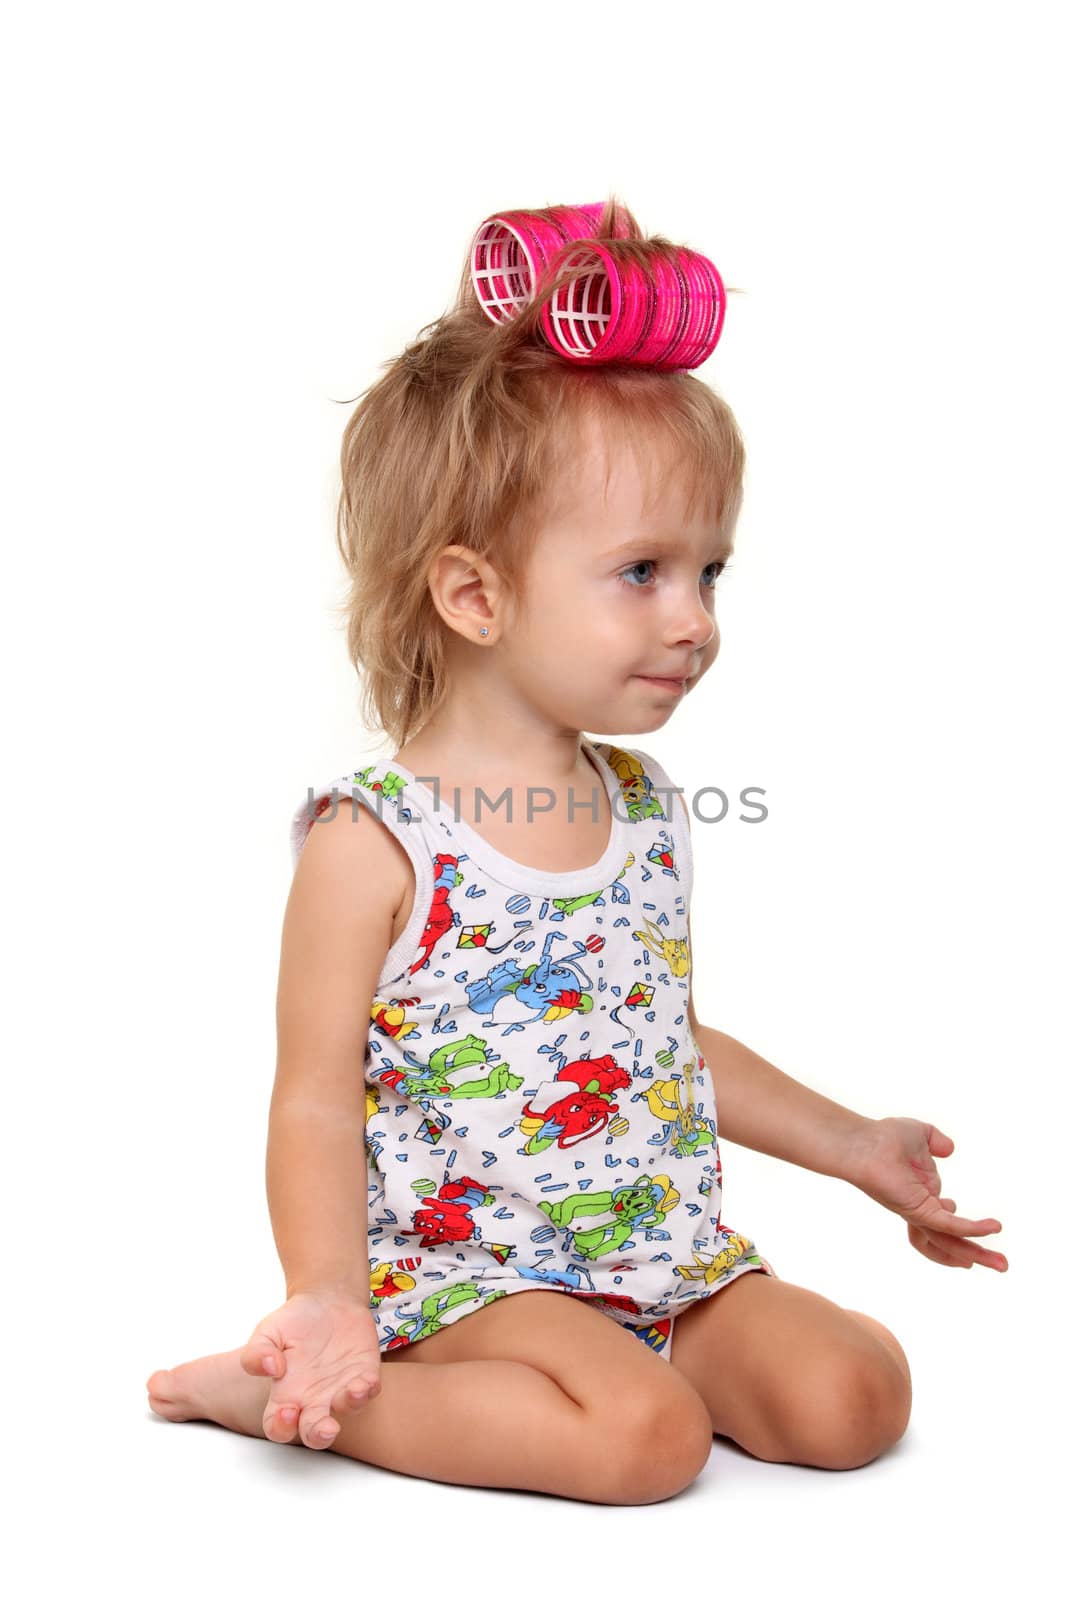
[161, 1388]
[164, 1398]
[169, 1409]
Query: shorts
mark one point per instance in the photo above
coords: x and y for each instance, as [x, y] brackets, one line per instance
[657, 1335]
[403, 1318]
[406, 1318]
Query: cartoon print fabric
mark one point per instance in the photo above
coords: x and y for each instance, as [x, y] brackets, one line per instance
[539, 1115]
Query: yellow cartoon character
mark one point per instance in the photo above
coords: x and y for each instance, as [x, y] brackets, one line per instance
[635, 783]
[675, 952]
[388, 1017]
[687, 1129]
[735, 1250]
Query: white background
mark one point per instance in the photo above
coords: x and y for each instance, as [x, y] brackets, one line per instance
[221, 221]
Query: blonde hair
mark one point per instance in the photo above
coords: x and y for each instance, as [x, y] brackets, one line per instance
[466, 439]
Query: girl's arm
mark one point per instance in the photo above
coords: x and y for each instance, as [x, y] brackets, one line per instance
[889, 1158]
[336, 933]
[759, 1106]
[763, 1108]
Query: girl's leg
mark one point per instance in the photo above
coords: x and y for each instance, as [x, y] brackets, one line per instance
[791, 1376]
[620, 1427]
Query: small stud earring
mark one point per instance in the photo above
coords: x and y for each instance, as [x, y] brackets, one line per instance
[483, 631]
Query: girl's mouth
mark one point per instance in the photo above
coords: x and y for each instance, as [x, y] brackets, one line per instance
[677, 684]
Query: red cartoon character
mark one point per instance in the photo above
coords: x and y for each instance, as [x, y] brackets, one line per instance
[446, 1218]
[441, 916]
[582, 1111]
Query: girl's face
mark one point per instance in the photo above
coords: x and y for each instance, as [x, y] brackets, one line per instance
[617, 597]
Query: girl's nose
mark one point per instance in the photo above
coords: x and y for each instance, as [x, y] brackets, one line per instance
[694, 627]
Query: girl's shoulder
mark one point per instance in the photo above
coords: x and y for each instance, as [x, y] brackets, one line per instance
[373, 786]
[643, 778]
[650, 794]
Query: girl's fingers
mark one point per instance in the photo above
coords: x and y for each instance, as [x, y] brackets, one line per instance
[955, 1256]
[962, 1252]
[958, 1226]
[283, 1420]
[989, 1258]
[280, 1423]
[261, 1357]
[355, 1393]
[957, 1253]
[318, 1428]
[925, 1246]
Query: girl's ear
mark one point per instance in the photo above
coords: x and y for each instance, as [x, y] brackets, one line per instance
[466, 592]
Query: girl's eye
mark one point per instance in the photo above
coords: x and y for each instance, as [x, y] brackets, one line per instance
[635, 568]
[715, 568]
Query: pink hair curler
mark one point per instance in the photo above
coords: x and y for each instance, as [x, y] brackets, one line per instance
[668, 314]
[512, 249]
[619, 312]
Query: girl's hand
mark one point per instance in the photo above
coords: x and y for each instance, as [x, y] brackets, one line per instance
[321, 1351]
[892, 1161]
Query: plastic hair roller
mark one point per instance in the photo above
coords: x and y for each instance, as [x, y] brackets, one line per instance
[512, 249]
[668, 314]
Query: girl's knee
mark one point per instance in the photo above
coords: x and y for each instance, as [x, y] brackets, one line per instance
[654, 1445]
[855, 1408]
[888, 1339]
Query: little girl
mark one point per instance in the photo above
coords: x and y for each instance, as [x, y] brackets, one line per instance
[504, 1253]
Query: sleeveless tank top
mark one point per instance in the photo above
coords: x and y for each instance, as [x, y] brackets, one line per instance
[539, 1115]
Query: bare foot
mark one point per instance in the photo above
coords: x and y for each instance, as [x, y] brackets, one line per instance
[214, 1387]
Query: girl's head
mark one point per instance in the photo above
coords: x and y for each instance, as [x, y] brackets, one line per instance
[488, 482]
